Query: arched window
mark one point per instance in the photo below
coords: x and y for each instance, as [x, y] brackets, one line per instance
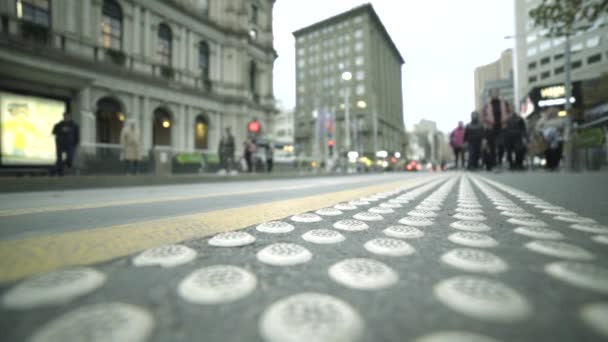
[109, 118]
[111, 25]
[253, 70]
[34, 11]
[203, 59]
[201, 132]
[161, 134]
[164, 47]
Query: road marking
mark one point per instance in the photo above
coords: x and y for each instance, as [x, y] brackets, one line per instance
[20, 258]
[28, 211]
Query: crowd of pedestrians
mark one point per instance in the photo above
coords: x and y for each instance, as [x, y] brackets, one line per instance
[499, 133]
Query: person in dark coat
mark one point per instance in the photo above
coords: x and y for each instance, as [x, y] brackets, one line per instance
[473, 137]
[515, 141]
[495, 114]
[226, 150]
[67, 138]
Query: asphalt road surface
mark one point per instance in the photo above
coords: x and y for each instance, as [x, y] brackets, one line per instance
[416, 257]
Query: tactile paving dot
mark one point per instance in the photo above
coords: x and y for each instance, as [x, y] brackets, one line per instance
[359, 203]
[472, 239]
[595, 316]
[563, 212]
[469, 217]
[472, 226]
[329, 212]
[470, 205]
[468, 210]
[590, 228]
[388, 246]
[474, 260]
[367, 216]
[57, 287]
[232, 239]
[284, 254]
[165, 256]
[345, 206]
[428, 207]
[601, 239]
[403, 232]
[483, 299]
[390, 205]
[381, 210]
[416, 221]
[306, 217]
[363, 274]
[527, 221]
[454, 336]
[559, 249]
[575, 219]
[399, 201]
[323, 236]
[113, 321]
[422, 213]
[583, 275]
[351, 225]
[217, 284]
[549, 207]
[509, 208]
[516, 214]
[370, 199]
[308, 317]
[275, 227]
[539, 233]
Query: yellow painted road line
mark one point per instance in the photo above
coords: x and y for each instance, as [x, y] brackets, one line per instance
[27, 211]
[20, 258]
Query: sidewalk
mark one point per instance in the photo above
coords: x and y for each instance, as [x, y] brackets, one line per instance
[10, 184]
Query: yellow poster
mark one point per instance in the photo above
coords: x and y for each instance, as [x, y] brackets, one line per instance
[26, 124]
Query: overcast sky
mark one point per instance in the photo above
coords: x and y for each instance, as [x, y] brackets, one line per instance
[442, 42]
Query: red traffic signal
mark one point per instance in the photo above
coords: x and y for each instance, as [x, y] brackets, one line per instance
[253, 127]
[330, 143]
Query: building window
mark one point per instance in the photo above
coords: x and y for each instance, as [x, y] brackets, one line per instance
[558, 71]
[360, 75]
[359, 46]
[360, 90]
[111, 25]
[545, 75]
[531, 38]
[359, 60]
[594, 59]
[577, 64]
[593, 41]
[164, 47]
[358, 33]
[34, 11]
[253, 70]
[161, 130]
[253, 15]
[531, 65]
[558, 56]
[203, 59]
[545, 60]
[576, 48]
[545, 45]
[531, 79]
[109, 121]
[532, 51]
[201, 132]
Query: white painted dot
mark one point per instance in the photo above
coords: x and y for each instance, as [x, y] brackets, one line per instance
[516, 214]
[472, 226]
[217, 284]
[469, 217]
[165, 256]
[454, 336]
[284, 254]
[308, 317]
[474, 260]
[403, 232]
[472, 239]
[367, 216]
[275, 227]
[363, 274]
[53, 288]
[112, 321]
[483, 299]
[590, 228]
[351, 225]
[345, 206]
[306, 217]
[583, 275]
[329, 212]
[232, 239]
[575, 219]
[388, 246]
[359, 203]
[603, 239]
[539, 233]
[380, 210]
[595, 316]
[390, 205]
[422, 213]
[527, 221]
[559, 249]
[416, 221]
[323, 236]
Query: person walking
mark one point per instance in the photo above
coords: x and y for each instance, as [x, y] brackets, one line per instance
[473, 137]
[494, 116]
[130, 141]
[269, 156]
[457, 144]
[226, 150]
[550, 127]
[515, 141]
[249, 153]
[67, 138]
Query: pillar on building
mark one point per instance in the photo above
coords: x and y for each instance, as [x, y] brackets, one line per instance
[146, 124]
[189, 134]
[135, 46]
[86, 22]
[147, 43]
[87, 117]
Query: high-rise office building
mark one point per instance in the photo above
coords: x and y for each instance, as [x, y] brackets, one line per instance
[355, 42]
[496, 75]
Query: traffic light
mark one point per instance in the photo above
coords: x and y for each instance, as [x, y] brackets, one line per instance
[330, 145]
[254, 127]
